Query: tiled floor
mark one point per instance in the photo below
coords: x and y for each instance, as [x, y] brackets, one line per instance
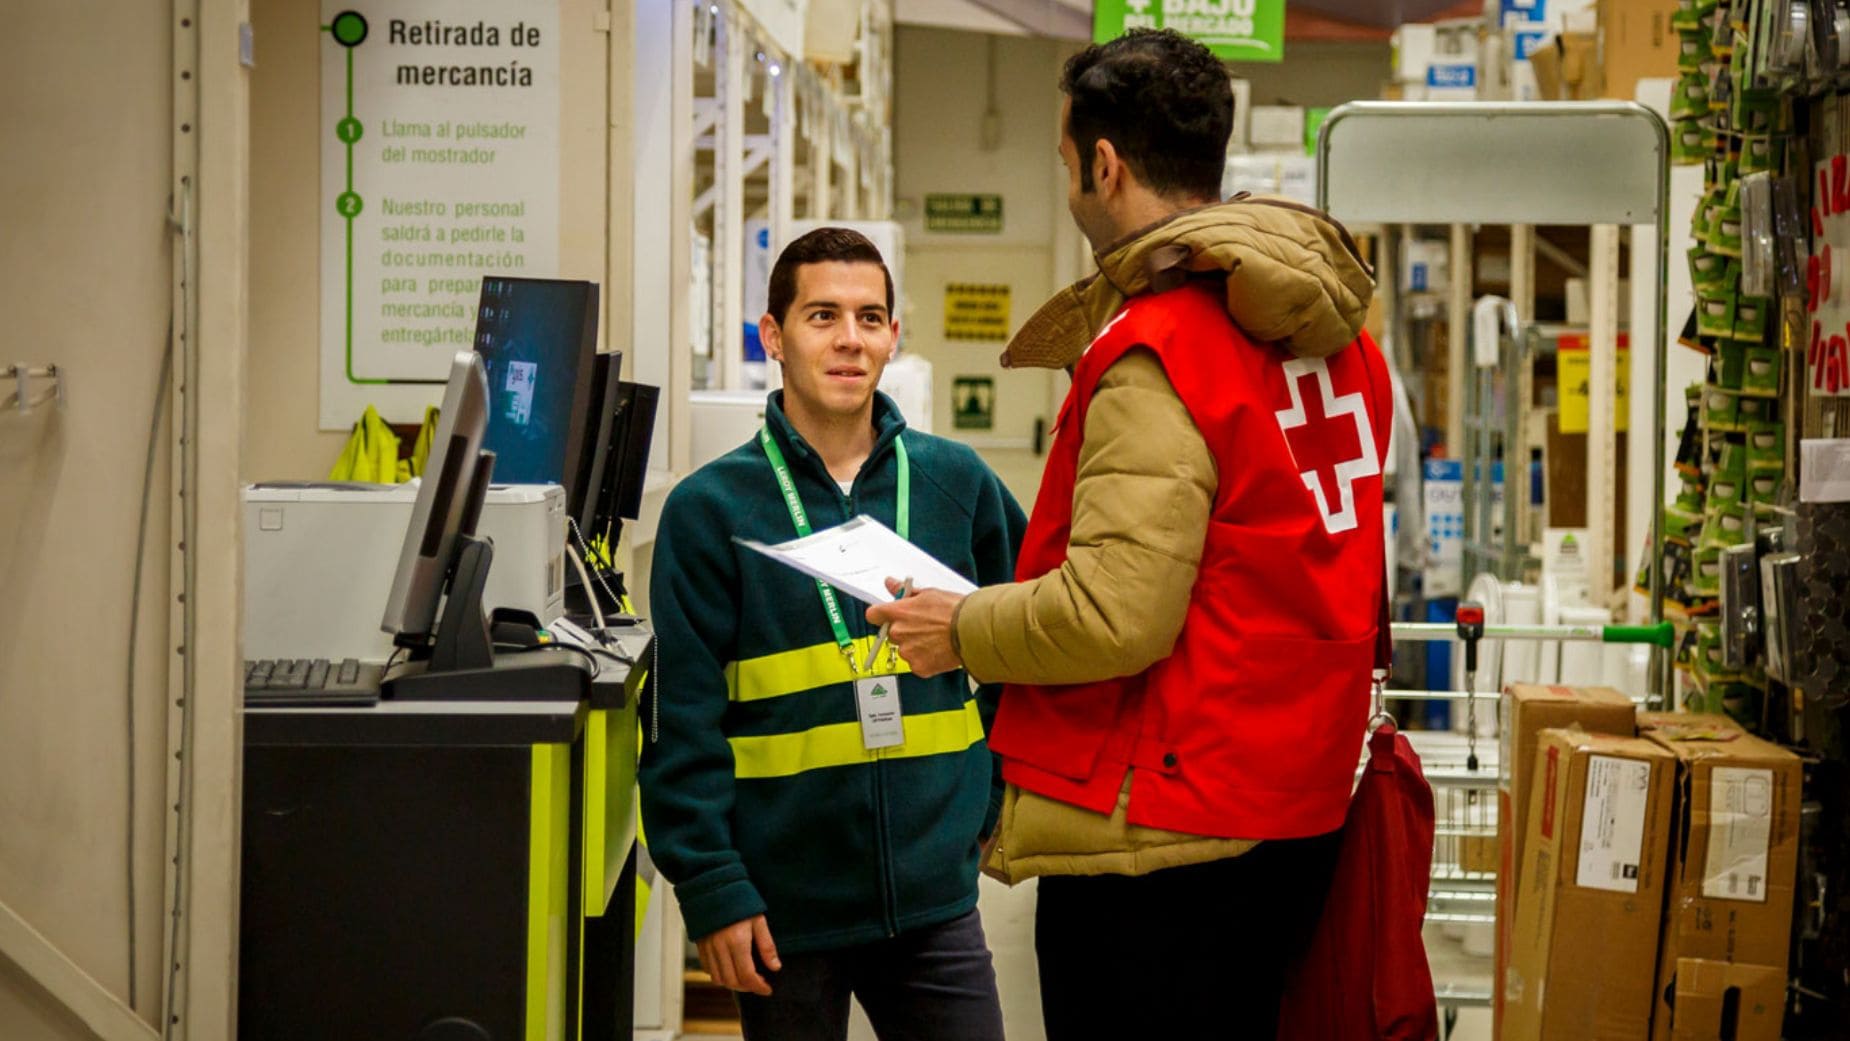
[1008, 919]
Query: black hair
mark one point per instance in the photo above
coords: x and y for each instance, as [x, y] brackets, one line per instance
[1164, 102]
[817, 247]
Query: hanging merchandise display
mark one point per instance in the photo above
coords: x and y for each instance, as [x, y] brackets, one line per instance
[1732, 117]
[1754, 562]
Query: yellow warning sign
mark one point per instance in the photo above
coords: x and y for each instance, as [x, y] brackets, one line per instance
[1574, 379]
[976, 312]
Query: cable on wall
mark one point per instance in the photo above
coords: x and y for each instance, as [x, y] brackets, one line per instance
[134, 644]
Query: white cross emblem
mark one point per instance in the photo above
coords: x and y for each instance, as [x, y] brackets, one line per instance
[1318, 451]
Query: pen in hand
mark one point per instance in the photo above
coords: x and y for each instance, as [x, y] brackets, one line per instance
[905, 590]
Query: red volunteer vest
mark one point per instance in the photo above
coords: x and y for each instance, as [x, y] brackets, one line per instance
[1253, 726]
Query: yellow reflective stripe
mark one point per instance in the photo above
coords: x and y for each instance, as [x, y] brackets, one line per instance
[839, 744]
[806, 668]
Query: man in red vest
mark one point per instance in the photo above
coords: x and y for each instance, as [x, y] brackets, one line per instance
[1189, 641]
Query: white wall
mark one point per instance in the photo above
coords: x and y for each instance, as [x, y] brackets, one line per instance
[939, 97]
[1319, 74]
[85, 268]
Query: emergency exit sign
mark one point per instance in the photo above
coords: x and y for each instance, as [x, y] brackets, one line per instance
[980, 213]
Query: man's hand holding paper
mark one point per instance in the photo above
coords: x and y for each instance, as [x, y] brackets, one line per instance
[921, 628]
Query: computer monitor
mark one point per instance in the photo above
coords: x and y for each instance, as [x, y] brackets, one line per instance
[620, 464]
[538, 341]
[448, 502]
[581, 492]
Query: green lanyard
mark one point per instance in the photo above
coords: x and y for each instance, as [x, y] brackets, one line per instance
[800, 517]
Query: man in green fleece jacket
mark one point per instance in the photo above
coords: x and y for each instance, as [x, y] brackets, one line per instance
[817, 849]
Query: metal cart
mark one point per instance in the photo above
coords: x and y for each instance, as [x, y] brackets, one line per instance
[1465, 854]
[1602, 165]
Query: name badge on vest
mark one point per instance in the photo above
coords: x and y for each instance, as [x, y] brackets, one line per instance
[877, 698]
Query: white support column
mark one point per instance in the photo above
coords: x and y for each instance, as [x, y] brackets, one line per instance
[1602, 417]
[620, 189]
[1458, 313]
[733, 46]
[662, 64]
[783, 152]
[211, 167]
[1521, 384]
[848, 152]
[821, 159]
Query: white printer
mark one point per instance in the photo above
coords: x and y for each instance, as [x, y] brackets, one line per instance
[319, 559]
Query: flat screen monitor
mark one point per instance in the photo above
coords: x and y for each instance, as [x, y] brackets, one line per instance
[448, 501]
[538, 341]
[582, 490]
[620, 463]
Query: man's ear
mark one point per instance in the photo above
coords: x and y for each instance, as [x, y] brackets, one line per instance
[771, 336]
[1107, 167]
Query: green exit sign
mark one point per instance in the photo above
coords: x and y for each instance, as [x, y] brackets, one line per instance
[982, 213]
[1236, 30]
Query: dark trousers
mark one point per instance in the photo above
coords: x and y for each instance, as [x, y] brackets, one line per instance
[1198, 951]
[932, 984]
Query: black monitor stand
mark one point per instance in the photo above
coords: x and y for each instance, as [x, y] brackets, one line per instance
[460, 663]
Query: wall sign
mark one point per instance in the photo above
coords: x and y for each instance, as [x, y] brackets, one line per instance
[439, 164]
[973, 403]
[981, 213]
[976, 312]
[1237, 30]
[1827, 280]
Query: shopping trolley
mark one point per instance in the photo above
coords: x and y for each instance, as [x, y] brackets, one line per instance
[1462, 899]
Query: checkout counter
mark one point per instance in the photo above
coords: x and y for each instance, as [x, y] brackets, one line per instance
[442, 870]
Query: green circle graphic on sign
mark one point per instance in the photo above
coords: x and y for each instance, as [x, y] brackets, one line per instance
[348, 130]
[349, 28]
[348, 205]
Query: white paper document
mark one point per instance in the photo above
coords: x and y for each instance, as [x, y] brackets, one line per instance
[1740, 833]
[859, 556]
[1612, 823]
[1824, 469]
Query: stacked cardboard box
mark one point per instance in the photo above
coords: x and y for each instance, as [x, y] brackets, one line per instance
[1527, 710]
[1627, 40]
[1636, 41]
[1591, 890]
[1732, 873]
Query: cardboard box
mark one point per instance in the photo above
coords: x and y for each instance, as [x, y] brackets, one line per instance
[1566, 67]
[1683, 726]
[1412, 47]
[1703, 1014]
[1591, 890]
[1733, 870]
[1528, 709]
[1452, 81]
[1277, 127]
[1636, 41]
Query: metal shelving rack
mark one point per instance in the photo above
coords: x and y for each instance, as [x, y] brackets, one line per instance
[1598, 164]
[1522, 165]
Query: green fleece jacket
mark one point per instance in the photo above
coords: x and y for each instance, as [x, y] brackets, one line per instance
[757, 793]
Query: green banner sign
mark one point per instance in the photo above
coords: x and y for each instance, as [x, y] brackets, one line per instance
[963, 213]
[1237, 30]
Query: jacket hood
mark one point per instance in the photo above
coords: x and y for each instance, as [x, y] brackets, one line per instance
[1293, 275]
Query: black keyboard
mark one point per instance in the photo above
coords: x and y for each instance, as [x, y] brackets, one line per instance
[311, 681]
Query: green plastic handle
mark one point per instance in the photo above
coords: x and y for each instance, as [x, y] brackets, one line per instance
[1663, 634]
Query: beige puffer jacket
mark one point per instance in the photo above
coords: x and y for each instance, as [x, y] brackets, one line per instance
[1294, 277]
[1145, 486]
[1146, 479]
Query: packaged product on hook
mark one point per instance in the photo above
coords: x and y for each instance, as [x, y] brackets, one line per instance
[1757, 255]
